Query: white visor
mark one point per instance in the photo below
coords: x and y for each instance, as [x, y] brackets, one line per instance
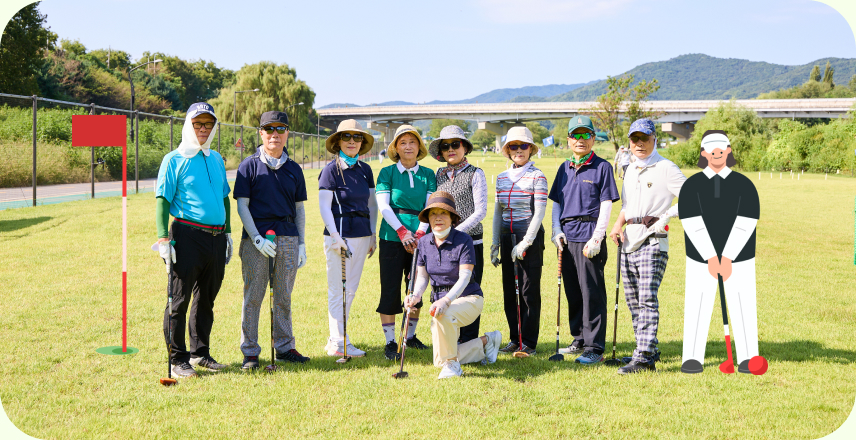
[715, 140]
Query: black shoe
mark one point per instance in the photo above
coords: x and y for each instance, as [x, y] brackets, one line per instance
[510, 348]
[182, 370]
[207, 362]
[414, 342]
[391, 351]
[655, 358]
[744, 367]
[636, 367]
[692, 366]
[250, 363]
[528, 350]
[292, 356]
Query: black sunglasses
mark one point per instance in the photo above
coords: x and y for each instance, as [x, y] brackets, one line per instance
[637, 138]
[270, 130]
[208, 125]
[347, 136]
[454, 145]
[523, 147]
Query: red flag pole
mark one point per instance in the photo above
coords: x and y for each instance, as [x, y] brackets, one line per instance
[124, 248]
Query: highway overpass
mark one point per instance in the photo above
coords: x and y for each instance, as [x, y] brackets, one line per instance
[678, 117]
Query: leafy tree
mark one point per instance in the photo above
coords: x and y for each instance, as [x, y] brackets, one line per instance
[194, 81]
[538, 131]
[483, 138]
[75, 48]
[119, 60]
[438, 124]
[24, 42]
[827, 75]
[619, 90]
[815, 74]
[852, 84]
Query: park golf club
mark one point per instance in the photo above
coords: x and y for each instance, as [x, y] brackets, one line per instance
[271, 236]
[345, 358]
[558, 356]
[169, 381]
[401, 374]
[616, 362]
[726, 367]
[519, 353]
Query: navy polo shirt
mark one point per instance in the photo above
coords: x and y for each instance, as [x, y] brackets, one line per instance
[443, 262]
[273, 194]
[580, 192]
[351, 195]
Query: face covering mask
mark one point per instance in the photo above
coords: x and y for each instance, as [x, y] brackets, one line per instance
[351, 161]
[444, 233]
[189, 145]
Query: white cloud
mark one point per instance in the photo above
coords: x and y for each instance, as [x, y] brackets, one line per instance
[548, 11]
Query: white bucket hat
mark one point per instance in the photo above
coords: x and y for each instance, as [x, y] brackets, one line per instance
[519, 134]
[350, 125]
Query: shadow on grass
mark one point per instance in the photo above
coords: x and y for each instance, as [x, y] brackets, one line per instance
[14, 225]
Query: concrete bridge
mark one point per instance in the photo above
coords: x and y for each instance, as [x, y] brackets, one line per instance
[678, 117]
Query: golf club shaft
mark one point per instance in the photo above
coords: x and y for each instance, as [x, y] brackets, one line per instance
[271, 276]
[169, 317]
[517, 294]
[615, 316]
[725, 318]
[559, 295]
[344, 308]
[410, 284]
[404, 343]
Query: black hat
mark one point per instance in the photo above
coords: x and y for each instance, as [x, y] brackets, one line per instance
[272, 117]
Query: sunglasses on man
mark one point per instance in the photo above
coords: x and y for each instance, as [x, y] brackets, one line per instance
[579, 136]
[522, 147]
[280, 130]
[348, 136]
[640, 137]
[208, 125]
[453, 145]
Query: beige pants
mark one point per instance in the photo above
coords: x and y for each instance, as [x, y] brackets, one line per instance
[446, 330]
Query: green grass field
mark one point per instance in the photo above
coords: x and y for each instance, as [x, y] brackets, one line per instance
[61, 300]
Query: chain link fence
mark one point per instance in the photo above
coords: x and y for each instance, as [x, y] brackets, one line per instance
[39, 166]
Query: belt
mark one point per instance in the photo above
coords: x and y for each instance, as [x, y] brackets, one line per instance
[352, 215]
[213, 230]
[437, 290]
[405, 211]
[287, 219]
[648, 220]
[582, 218]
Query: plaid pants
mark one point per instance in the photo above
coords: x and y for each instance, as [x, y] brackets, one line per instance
[642, 272]
[254, 268]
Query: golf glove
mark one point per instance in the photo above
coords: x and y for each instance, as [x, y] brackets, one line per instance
[440, 307]
[494, 255]
[166, 251]
[419, 234]
[301, 256]
[559, 238]
[592, 247]
[660, 225]
[412, 300]
[228, 247]
[404, 235]
[519, 251]
[265, 246]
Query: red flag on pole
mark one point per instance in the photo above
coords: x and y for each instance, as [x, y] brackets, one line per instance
[99, 131]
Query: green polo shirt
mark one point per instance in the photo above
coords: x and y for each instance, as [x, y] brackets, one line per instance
[396, 181]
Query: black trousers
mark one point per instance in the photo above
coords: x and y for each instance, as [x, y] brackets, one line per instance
[395, 264]
[529, 280]
[198, 271]
[586, 293]
[471, 331]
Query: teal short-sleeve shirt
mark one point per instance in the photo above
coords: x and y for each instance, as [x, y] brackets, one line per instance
[404, 193]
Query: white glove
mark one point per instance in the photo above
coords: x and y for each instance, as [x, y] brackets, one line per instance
[494, 255]
[660, 226]
[265, 246]
[338, 243]
[412, 300]
[592, 247]
[440, 307]
[301, 255]
[518, 251]
[373, 246]
[165, 250]
[559, 238]
[228, 247]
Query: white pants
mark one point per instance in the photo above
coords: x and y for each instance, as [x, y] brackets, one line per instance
[701, 290]
[353, 270]
[446, 330]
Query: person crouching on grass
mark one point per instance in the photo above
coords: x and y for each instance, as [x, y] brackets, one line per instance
[446, 257]
[402, 191]
[270, 190]
[192, 187]
[346, 193]
[521, 201]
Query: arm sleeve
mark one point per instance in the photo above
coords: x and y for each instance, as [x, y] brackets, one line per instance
[246, 217]
[386, 210]
[228, 207]
[700, 238]
[535, 223]
[162, 216]
[421, 282]
[479, 202]
[671, 212]
[739, 235]
[325, 203]
[300, 218]
[556, 219]
[424, 226]
[464, 276]
[497, 223]
[603, 219]
[373, 210]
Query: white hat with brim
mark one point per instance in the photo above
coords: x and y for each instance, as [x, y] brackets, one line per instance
[519, 134]
[449, 132]
[352, 126]
[392, 150]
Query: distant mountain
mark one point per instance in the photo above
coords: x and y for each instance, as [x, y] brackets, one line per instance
[699, 76]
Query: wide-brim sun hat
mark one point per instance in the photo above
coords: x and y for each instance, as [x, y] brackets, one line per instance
[449, 132]
[519, 134]
[442, 200]
[350, 125]
[392, 150]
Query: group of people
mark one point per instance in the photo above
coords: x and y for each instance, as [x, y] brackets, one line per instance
[431, 233]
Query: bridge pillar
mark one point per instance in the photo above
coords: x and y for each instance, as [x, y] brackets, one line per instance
[682, 131]
[387, 128]
[500, 129]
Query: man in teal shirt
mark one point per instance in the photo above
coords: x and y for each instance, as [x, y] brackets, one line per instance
[192, 187]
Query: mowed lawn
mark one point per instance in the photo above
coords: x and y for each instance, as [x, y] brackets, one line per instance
[60, 300]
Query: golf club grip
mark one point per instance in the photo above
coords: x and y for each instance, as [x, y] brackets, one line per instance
[722, 300]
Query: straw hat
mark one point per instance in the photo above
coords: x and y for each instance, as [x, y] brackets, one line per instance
[443, 200]
[392, 151]
[353, 126]
[449, 132]
[519, 134]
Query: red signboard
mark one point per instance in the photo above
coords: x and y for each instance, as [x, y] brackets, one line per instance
[99, 131]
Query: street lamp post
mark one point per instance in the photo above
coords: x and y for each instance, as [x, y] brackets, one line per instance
[235, 117]
[136, 130]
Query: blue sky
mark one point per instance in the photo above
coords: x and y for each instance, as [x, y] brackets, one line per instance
[375, 51]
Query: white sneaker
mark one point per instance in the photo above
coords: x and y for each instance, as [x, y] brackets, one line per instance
[451, 369]
[491, 349]
[354, 351]
[333, 348]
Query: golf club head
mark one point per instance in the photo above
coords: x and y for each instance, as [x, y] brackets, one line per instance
[400, 375]
[270, 368]
[758, 365]
[557, 357]
[521, 354]
[613, 363]
[727, 367]
[167, 382]
[343, 360]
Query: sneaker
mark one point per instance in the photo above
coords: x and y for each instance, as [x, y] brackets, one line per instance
[292, 356]
[589, 358]
[182, 370]
[354, 351]
[391, 351]
[636, 367]
[414, 342]
[529, 351]
[510, 348]
[451, 369]
[333, 348]
[250, 363]
[571, 349]
[207, 362]
[491, 349]
[743, 367]
[692, 366]
[655, 358]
